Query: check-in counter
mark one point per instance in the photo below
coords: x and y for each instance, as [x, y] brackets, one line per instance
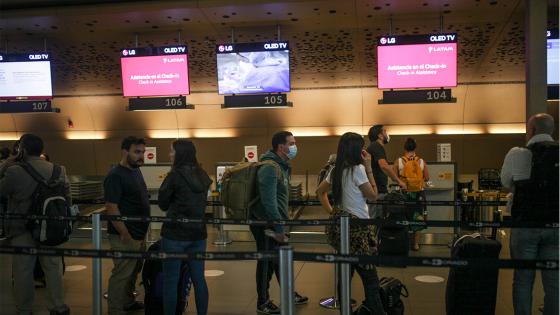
[154, 174]
[443, 177]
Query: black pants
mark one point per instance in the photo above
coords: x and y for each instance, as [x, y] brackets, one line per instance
[265, 268]
[370, 281]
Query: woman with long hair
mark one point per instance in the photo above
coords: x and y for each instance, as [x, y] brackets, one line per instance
[352, 184]
[183, 194]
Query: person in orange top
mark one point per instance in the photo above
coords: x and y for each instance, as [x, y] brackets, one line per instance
[412, 170]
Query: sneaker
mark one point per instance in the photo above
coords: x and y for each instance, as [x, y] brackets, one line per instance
[65, 312]
[268, 308]
[299, 300]
[136, 306]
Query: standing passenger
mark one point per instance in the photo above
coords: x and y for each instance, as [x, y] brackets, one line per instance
[413, 171]
[535, 199]
[183, 194]
[126, 194]
[352, 184]
[274, 186]
[381, 169]
[19, 187]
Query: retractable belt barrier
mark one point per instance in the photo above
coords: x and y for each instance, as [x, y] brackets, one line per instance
[444, 262]
[320, 222]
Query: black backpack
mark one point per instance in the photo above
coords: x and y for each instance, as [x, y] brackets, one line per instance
[49, 199]
[390, 291]
[536, 199]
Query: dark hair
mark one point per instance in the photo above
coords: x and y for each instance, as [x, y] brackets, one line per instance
[349, 154]
[47, 157]
[374, 132]
[15, 147]
[280, 138]
[185, 153]
[4, 153]
[129, 141]
[32, 144]
[409, 145]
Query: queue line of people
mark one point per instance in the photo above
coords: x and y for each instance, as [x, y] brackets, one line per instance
[360, 174]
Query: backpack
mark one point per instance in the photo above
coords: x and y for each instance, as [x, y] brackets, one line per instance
[390, 291]
[239, 188]
[152, 280]
[412, 173]
[536, 199]
[49, 199]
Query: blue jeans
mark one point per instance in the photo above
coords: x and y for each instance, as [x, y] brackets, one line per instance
[534, 244]
[171, 269]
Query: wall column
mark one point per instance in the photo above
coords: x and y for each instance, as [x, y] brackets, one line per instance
[535, 56]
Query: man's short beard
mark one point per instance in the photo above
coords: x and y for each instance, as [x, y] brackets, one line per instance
[134, 164]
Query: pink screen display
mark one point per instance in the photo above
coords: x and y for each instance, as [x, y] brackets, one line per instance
[155, 75]
[415, 66]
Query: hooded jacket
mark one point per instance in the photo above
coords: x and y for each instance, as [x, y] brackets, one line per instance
[183, 194]
[273, 191]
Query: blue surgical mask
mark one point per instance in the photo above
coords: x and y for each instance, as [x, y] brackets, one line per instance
[292, 152]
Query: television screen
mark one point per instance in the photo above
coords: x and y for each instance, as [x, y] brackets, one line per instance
[552, 58]
[155, 71]
[25, 76]
[253, 68]
[417, 61]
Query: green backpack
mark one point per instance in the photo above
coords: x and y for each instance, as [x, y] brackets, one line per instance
[239, 188]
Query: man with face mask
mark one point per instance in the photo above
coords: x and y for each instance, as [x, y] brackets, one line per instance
[126, 194]
[381, 169]
[274, 187]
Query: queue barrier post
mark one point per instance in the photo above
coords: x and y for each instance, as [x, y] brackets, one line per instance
[97, 277]
[345, 306]
[286, 266]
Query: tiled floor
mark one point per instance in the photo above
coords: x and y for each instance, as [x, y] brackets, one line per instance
[234, 291]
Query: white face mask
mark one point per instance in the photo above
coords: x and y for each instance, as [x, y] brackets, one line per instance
[292, 152]
[387, 139]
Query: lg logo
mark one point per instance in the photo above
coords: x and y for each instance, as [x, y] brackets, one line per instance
[223, 48]
[388, 40]
[128, 52]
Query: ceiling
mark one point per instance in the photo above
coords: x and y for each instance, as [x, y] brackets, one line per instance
[332, 41]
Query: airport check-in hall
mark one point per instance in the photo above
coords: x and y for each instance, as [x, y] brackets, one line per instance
[356, 157]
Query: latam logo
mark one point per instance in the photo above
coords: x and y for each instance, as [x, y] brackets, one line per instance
[440, 49]
[388, 40]
[129, 52]
[174, 50]
[39, 57]
[275, 45]
[223, 48]
[442, 38]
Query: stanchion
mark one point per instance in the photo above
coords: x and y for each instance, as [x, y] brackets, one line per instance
[332, 302]
[97, 279]
[345, 307]
[223, 237]
[286, 267]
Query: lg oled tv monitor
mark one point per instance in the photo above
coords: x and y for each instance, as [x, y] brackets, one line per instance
[417, 61]
[253, 68]
[25, 76]
[155, 71]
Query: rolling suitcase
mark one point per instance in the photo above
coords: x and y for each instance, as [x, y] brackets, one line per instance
[393, 239]
[152, 279]
[473, 289]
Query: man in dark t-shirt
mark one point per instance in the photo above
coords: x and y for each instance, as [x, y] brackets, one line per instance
[381, 169]
[126, 194]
